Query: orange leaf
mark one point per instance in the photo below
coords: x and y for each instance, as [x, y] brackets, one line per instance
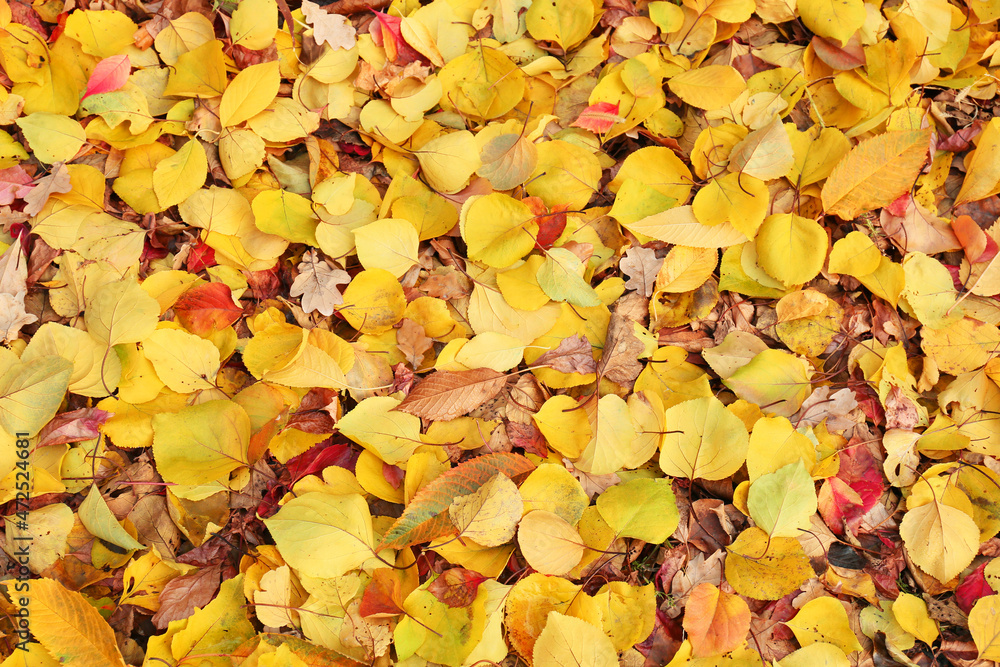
[207, 308]
[445, 395]
[426, 517]
[716, 622]
[383, 598]
[977, 245]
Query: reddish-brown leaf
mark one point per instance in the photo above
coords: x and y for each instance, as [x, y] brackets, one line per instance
[207, 308]
[75, 426]
[426, 516]
[716, 622]
[572, 355]
[181, 595]
[383, 598]
[456, 587]
[446, 395]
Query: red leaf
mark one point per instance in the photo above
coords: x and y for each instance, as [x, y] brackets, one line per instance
[598, 118]
[973, 587]
[109, 75]
[321, 456]
[456, 587]
[207, 308]
[387, 32]
[550, 227]
[899, 205]
[201, 256]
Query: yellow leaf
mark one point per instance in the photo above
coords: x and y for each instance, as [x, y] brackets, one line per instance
[498, 229]
[200, 72]
[182, 34]
[30, 393]
[375, 424]
[982, 177]
[254, 24]
[323, 535]
[100, 33]
[739, 199]
[284, 119]
[240, 151]
[507, 161]
[183, 361]
[783, 502]
[553, 488]
[448, 161]
[711, 443]
[566, 174]
[201, 444]
[855, 255]
[708, 87]
[644, 509]
[51, 137]
[940, 539]
[875, 173]
[961, 346]
[791, 248]
[181, 175]
[817, 152]
[564, 424]
[97, 518]
[389, 243]
[824, 619]
[549, 543]
[685, 268]
[984, 625]
[249, 93]
[217, 628]
[47, 528]
[571, 642]
[70, 628]
[836, 19]
[765, 153]
[680, 226]
[285, 214]
[775, 380]
[489, 515]
[565, 22]
[911, 614]
[373, 302]
[818, 654]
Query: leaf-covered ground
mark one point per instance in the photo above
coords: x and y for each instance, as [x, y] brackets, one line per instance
[549, 332]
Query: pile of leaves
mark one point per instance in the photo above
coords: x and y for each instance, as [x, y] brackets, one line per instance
[551, 333]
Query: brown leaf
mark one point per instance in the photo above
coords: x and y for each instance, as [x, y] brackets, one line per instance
[641, 265]
[445, 395]
[622, 348]
[180, 596]
[413, 342]
[572, 355]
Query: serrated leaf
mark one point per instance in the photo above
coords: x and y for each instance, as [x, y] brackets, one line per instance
[425, 517]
